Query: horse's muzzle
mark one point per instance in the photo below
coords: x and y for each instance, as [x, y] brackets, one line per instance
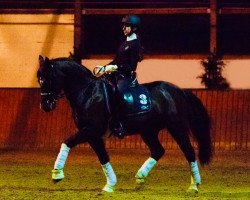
[47, 105]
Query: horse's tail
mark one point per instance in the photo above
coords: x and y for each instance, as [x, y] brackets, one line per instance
[200, 125]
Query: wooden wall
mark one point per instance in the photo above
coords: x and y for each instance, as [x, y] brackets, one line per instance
[23, 37]
[24, 126]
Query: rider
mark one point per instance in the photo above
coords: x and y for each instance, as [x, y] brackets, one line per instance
[125, 62]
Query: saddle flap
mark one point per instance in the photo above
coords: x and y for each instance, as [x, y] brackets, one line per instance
[136, 101]
[133, 99]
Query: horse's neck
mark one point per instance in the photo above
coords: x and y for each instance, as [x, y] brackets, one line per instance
[75, 88]
[77, 80]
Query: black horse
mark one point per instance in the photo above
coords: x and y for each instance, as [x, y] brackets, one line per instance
[178, 111]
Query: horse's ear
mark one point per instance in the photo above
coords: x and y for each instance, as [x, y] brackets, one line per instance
[47, 61]
[41, 60]
[71, 56]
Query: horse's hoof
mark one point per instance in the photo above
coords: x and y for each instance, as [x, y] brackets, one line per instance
[108, 188]
[57, 175]
[193, 189]
[56, 180]
[140, 181]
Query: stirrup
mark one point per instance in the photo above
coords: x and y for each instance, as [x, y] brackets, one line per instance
[119, 133]
[117, 129]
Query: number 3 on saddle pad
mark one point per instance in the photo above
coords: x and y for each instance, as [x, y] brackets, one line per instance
[136, 101]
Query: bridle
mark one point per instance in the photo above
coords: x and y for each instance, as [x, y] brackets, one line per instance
[48, 94]
[63, 94]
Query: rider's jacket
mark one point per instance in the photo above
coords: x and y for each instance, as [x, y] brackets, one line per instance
[128, 55]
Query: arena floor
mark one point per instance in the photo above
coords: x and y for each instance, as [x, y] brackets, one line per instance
[27, 175]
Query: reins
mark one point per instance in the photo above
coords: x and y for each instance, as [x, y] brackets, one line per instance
[62, 95]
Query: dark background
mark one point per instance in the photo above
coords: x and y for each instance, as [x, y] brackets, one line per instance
[170, 34]
[160, 34]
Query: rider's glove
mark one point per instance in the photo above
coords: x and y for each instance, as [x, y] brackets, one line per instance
[100, 70]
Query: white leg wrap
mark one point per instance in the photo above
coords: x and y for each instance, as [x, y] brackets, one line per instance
[195, 174]
[146, 168]
[57, 174]
[110, 176]
[62, 157]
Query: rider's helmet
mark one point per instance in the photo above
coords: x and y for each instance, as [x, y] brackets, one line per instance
[132, 20]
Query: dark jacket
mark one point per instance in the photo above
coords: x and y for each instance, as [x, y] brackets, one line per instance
[127, 57]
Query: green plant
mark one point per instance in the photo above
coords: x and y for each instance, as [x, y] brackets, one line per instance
[212, 77]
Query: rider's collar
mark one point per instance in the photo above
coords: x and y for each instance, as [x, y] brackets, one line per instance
[133, 36]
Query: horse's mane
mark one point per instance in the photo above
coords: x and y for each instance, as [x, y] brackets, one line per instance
[68, 62]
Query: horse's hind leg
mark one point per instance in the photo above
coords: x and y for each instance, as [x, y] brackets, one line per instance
[179, 132]
[157, 151]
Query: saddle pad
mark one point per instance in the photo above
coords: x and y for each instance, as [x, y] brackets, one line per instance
[136, 101]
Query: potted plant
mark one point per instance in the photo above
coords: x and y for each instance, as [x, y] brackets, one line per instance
[212, 77]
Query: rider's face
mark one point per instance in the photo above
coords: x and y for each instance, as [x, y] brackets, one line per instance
[126, 29]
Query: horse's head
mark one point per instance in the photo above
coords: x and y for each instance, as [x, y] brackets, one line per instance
[49, 83]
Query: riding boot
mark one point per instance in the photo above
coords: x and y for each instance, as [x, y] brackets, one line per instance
[116, 128]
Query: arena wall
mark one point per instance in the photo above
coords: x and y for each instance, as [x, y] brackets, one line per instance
[25, 36]
[24, 126]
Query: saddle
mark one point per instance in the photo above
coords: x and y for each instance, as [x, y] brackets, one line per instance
[136, 100]
[133, 99]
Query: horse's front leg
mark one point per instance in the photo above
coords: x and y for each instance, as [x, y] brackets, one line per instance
[110, 176]
[98, 146]
[57, 172]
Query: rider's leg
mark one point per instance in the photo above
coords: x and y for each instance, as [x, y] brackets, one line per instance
[115, 124]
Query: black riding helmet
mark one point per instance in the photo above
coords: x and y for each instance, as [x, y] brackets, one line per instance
[132, 20]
